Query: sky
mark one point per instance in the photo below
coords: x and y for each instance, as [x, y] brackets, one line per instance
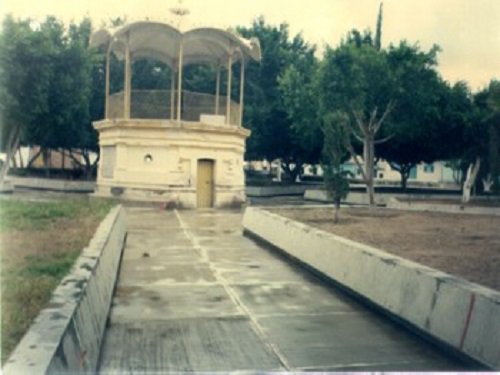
[468, 31]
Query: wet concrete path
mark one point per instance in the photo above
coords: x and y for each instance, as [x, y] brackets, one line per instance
[195, 295]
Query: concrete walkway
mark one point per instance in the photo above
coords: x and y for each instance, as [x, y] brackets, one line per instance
[195, 295]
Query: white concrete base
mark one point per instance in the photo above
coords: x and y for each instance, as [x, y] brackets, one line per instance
[66, 336]
[270, 191]
[382, 199]
[158, 160]
[52, 184]
[319, 195]
[172, 197]
[447, 208]
[6, 187]
[464, 315]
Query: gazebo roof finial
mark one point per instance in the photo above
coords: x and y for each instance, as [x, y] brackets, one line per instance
[179, 11]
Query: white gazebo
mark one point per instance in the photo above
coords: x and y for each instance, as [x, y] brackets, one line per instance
[174, 146]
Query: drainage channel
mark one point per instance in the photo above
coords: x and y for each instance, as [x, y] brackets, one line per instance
[194, 294]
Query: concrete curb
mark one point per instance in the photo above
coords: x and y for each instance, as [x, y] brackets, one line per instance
[67, 335]
[394, 203]
[460, 314]
[52, 184]
[319, 195]
[271, 191]
[355, 197]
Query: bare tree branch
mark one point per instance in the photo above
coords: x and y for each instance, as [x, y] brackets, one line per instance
[75, 160]
[388, 109]
[372, 118]
[395, 166]
[358, 121]
[355, 156]
[357, 136]
[33, 158]
[379, 141]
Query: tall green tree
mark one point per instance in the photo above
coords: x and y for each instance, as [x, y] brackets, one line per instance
[480, 154]
[336, 136]
[46, 76]
[425, 111]
[356, 79]
[378, 29]
[24, 81]
[298, 89]
[265, 111]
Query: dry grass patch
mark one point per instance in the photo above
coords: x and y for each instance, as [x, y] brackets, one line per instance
[463, 245]
[39, 243]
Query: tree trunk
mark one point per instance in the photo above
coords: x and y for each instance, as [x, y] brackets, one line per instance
[337, 208]
[470, 180]
[404, 181]
[21, 161]
[368, 156]
[12, 146]
[405, 174]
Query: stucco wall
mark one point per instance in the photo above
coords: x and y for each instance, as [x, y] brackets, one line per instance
[158, 160]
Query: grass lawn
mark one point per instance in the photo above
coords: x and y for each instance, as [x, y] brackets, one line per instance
[39, 243]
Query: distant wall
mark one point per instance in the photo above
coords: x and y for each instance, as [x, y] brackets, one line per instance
[447, 208]
[66, 336]
[52, 184]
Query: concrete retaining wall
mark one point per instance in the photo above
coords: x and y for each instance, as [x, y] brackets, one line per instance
[52, 184]
[447, 208]
[67, 335]
[382, 199]
[319, 195]
[270, 191]
[461, 314]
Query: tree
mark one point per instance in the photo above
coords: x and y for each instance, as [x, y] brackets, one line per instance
[265, 111]
[46, 85]
[334, 154]
[493, 119]
[297, 86]
[378, 29]
[356, 79]
[423, 117]
[481, 151]
[24, 82]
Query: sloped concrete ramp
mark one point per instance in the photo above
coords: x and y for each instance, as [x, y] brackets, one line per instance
[195, 295]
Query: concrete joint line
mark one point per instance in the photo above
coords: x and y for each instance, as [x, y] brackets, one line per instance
[467, 320]
[259, 331]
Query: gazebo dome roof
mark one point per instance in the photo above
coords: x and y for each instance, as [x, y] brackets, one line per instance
[161, 41]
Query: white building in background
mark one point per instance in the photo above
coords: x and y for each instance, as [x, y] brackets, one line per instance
[437, 173]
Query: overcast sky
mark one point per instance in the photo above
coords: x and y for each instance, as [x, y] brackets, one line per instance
[468, 31]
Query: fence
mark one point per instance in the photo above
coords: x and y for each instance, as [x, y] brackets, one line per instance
[155, 104]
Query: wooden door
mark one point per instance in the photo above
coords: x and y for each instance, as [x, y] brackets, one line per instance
[205, 183]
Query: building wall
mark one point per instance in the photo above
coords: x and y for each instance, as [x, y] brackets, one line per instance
[434, 173]
[157, 160]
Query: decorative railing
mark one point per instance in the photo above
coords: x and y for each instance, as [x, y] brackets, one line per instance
[156, 104]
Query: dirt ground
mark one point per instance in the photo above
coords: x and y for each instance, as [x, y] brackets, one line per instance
[462, 245]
